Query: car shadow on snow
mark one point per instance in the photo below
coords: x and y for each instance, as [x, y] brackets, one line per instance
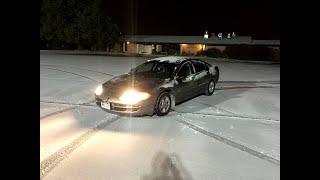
[167, 167]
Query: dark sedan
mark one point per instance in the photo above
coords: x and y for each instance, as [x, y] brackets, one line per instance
[157, 85]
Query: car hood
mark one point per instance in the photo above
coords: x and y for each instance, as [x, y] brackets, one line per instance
[117, 85]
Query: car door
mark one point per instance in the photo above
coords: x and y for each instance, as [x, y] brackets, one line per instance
[184, 82]
[201, 75]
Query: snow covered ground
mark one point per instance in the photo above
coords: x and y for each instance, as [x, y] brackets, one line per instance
[233, 134]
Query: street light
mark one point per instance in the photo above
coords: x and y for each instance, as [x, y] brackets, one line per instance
[206, 35]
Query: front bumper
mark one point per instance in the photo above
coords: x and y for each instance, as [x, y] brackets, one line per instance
[142, 108]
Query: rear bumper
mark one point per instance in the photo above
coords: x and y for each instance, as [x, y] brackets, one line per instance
[143, 108]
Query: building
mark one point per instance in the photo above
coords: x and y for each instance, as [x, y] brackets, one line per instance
[186, 45]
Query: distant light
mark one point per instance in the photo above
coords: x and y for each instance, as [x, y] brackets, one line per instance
[128, 42]
[233, 34]
[206, 35]
[203, 47]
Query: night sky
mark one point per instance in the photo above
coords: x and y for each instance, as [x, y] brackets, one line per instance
[259, 18]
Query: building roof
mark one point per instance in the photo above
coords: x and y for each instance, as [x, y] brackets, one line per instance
[197, 40]
[266, 42]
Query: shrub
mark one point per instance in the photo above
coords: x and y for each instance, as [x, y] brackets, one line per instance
[213, 52]
[245, 52]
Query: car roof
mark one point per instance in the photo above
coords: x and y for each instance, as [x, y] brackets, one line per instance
[170, 59]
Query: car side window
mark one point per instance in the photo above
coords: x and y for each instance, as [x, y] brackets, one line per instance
[160, 68]
[146, 67]
[199, 66]
[185, 70]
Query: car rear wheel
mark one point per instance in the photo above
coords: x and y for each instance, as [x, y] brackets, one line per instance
[210, 88]
[163, 104]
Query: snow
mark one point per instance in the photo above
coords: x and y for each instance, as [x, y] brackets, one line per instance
[252, 102]
[189, 142]
[147, 150]
[58, 130]
[49, 108]
[259, 135]
[170, 59]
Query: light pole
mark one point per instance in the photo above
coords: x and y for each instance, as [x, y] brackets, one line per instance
[205, 36]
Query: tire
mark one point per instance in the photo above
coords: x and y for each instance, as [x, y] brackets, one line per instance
[163, 104]
[209, 91]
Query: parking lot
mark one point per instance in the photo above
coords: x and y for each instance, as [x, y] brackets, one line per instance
[233, 134]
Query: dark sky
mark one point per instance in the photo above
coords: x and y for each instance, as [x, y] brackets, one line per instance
[258, 18]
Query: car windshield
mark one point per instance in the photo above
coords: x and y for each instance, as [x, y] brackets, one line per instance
[145, 67]
[160, 69]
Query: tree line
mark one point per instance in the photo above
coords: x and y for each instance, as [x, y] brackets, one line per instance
[76, 24]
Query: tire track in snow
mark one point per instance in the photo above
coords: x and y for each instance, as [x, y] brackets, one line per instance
[77, 68]
[70, 108]
[242, 87]
[74, 104]
[219, 108]
[52, 161]
[231, 116]
[57, 112]
[63, 110]
[243, 82]
[230, 112]
[246, 84]
[80, 75]
[230, 142]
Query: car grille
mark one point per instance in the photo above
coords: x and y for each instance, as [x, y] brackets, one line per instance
[124, 107]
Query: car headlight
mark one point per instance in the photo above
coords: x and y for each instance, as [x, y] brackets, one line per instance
[99, 90]
[133, 97]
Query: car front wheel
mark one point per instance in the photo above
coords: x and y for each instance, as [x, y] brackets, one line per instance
[163, 104]
[210, 88]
